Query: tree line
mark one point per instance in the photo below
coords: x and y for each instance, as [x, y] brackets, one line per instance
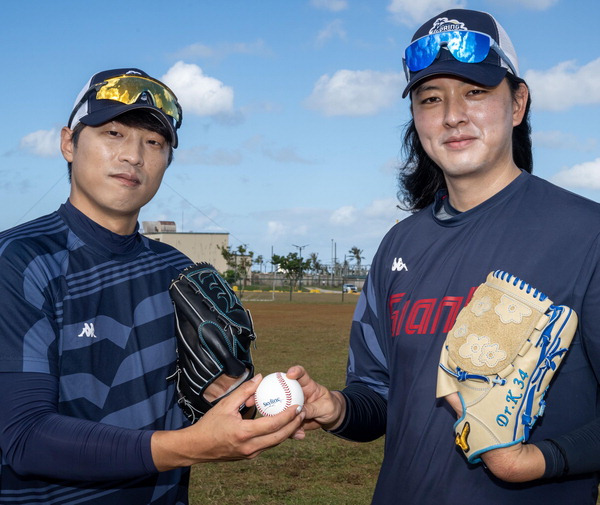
[293, 266]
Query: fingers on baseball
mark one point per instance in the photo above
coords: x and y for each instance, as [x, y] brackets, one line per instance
[309, 387]
[283, 426]
[244, 394]
[296, 372]
[311, 410]
[263, 433]
[324, 411]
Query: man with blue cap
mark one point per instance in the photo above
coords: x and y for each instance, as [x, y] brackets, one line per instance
[476, 208]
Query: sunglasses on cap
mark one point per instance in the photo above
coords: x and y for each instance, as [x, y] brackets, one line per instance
[127, 89]
[464, 46]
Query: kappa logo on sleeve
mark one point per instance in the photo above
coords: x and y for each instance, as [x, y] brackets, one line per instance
[398, 265]
[88, 331]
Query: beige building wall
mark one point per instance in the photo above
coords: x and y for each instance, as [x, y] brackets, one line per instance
[197, 246]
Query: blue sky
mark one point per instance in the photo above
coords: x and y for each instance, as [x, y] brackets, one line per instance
[292, 109]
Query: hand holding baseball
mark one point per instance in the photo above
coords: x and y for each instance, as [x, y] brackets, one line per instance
[223, 435]
[324, 408]
[276, 393]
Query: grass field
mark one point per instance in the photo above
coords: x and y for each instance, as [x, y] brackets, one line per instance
[312, 331]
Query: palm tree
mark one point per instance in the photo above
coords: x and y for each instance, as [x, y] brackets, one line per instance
[315, 264]
[357, 255]
[259, 261]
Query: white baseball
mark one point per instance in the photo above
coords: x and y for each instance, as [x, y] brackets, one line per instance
[276, 393]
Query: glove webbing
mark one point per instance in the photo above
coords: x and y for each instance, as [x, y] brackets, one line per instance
[545, 362]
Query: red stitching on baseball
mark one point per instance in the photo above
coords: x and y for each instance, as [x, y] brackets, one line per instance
[286, 390]
[258, 406]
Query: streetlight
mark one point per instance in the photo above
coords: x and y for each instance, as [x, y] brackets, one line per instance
[300, 247]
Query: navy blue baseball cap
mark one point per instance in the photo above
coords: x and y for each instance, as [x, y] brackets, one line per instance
[110, 93]
[463, 43]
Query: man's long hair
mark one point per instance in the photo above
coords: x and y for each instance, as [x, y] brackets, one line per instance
[420, 178]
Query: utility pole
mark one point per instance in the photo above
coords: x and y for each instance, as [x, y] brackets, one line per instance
[332, 263]
[300, 247]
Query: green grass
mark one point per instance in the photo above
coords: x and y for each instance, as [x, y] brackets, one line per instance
[312, 331]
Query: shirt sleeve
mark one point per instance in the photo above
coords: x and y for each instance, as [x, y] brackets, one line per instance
[366, 414]
[36, 440]
[367, 362]
[574, 453]
[367, 378]
[578, 452]
[28, 328]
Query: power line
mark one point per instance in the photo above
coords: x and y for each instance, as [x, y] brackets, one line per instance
[164, 182]
[40, 199]
[201, 212]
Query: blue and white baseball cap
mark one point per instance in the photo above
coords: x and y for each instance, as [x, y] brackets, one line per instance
[463, 43]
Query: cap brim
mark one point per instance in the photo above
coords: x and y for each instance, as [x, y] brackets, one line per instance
[480, 73]
[108, 113]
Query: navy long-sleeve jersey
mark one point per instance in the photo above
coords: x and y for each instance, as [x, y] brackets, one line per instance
[86, 344]
[423, 273]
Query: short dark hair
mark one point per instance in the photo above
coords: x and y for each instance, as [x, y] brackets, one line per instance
[137, 118]
[419, 176]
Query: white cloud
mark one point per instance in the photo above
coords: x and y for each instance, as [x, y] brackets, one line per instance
[390, 167]
[355, 92]
[276, 229]
[219, 51]
[416, 12]
[332, 30]
[284, 155]
[15, 183]
[200, 155]
[204, 222]
[43, 143]
[288, 154]
[585, 175]
[348, 225]
[330, 5]
[555, 139]
[345, 215]
[411, 12]
[198, 93]
[385, 208]
[538, 5]
[565, 85]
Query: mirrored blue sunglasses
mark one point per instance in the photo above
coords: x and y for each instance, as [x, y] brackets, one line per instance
[464, 46]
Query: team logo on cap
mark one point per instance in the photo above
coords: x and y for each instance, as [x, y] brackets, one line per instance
[446, 25]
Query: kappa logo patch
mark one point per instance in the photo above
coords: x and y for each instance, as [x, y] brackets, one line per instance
[398, 264]
[88, 331]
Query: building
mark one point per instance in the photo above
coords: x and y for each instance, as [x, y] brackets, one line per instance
[197, 246]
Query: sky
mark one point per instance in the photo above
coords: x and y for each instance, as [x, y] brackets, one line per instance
[292, 110]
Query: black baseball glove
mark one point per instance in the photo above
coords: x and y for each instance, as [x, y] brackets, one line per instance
[214, 333]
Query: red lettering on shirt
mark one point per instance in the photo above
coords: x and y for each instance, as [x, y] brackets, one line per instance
[426, 316]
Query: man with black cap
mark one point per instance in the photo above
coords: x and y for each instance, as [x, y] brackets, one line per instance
[475, 208]
[87, 332]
